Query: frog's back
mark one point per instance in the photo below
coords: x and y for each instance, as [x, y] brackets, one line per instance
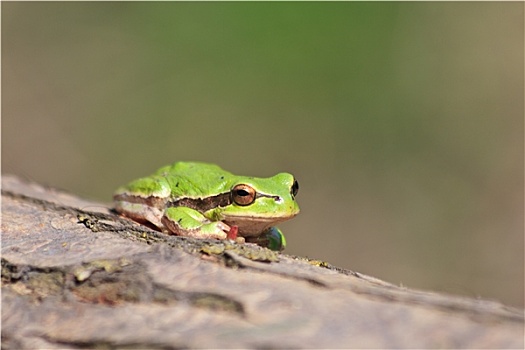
[195, 179]
[192, 169]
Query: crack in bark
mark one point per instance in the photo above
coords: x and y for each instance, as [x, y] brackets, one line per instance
[103, 345]
[110, 282]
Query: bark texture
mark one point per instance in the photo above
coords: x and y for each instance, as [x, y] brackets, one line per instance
[74, 275]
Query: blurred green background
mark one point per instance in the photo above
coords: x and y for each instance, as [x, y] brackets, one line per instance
[403, 122]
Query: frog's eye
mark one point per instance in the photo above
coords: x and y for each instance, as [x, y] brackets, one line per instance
[243, 194]
[295, 188]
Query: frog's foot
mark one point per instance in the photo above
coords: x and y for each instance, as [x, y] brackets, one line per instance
[184, 221]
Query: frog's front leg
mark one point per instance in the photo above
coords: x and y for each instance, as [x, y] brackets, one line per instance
[184, 221]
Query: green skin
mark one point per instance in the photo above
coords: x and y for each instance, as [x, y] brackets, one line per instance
[204, 201]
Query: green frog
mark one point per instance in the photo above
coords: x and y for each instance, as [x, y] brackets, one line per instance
[204, 201]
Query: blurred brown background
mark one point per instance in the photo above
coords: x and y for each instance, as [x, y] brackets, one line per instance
[402, 121]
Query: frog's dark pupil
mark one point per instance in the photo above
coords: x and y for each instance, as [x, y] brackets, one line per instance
[242, 193]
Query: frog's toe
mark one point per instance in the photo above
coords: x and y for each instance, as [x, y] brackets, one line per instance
[216, 229]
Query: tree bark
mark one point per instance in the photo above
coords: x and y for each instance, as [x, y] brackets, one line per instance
[77, 276]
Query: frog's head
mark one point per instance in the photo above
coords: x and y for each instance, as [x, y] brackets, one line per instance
[259, 203]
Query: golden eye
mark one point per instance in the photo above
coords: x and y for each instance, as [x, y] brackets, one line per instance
[294, 189]
[243, 194]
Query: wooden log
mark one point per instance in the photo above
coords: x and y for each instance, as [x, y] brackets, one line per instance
[75, 275]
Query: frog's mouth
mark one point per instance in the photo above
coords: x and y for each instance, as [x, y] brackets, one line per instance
[250, 226]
